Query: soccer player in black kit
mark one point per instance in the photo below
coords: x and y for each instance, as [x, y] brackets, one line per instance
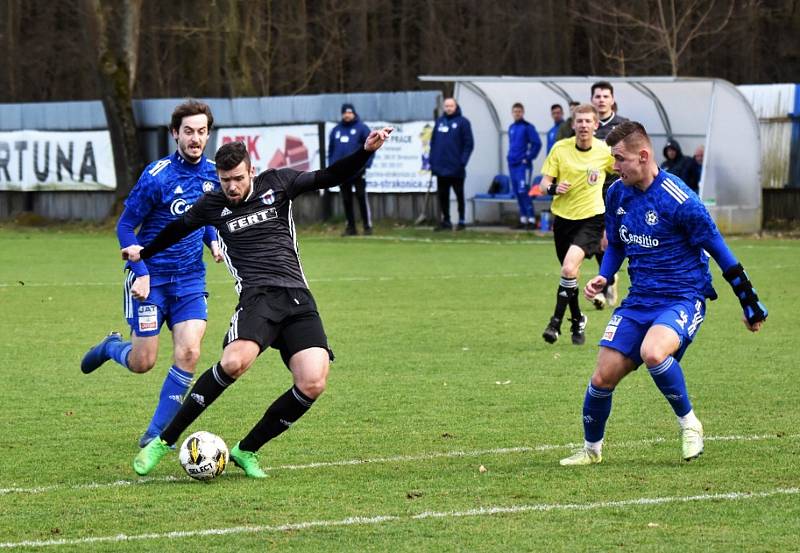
[253, 215]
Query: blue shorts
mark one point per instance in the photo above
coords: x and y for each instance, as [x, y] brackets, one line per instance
[626, 330]
[171, 300]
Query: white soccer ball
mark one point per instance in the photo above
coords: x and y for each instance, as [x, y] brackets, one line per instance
[203, 455]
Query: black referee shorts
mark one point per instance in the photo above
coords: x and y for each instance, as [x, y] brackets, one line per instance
[584, 233]
[285, 319]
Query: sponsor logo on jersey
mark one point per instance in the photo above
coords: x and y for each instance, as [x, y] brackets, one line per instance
[225, 212]
[620, 211]
[643, 240]
[241, 223]
[208, 186]
[268, 197]
[651, 218]
[593, 176]
[179, 206]
[178, 190]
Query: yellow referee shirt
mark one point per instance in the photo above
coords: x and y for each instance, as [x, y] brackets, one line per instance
[585, 171]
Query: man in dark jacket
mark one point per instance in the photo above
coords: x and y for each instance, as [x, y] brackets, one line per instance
[679, 165]
[451, 146]
[345, 138]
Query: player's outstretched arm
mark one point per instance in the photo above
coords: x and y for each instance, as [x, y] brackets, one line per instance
[169, 235]
[343, 169]
[755, 312]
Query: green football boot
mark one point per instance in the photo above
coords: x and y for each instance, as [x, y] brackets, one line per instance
[149, 456]
[248, 462]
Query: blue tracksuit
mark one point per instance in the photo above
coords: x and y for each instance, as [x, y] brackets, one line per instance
[523, 147]
[451, 145]
[346, 138]
[552, 135]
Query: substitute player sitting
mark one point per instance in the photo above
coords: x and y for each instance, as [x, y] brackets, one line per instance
[574, 173]
[256, 230]
[655, 220]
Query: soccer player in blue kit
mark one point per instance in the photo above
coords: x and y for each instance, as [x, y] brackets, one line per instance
[171, 287]
[663, 228]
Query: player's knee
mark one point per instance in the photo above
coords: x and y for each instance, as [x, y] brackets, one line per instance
[652, 354]
[234, 367]
[569, 270]
[313, 387]
[141, 361]
[600, 380]
[187, 357]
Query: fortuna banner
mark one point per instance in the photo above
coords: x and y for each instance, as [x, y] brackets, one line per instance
[41, 160]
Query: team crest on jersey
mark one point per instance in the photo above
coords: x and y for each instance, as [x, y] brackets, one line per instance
[593, 176]
[268, 197]
[454, 125]
[208, 186]
[651, 218]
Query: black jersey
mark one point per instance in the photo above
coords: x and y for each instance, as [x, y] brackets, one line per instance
[258, 236]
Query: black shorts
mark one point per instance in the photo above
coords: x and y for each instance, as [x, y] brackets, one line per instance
[285, 319]
[584, 233]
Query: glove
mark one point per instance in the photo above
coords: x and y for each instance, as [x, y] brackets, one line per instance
[754, 310]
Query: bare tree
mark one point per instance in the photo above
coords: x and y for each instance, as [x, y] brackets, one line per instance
[640, 31]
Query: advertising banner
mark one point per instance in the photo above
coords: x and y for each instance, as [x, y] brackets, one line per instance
[44, 160]
[294, 146]
[402, 164]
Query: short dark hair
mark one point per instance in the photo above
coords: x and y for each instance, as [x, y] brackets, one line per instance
[631, 133]
[187, 109]
[518, 105]
[554, 106]
[230, 155]
[574, 103]
[605, 85]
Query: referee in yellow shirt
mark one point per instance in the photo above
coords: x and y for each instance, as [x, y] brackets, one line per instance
[574, 173]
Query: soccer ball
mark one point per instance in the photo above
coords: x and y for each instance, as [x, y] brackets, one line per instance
[203, 455]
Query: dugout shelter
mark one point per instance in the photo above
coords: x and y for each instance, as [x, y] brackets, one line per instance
[693, 111]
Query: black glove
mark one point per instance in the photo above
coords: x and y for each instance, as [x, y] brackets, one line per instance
[754, 310]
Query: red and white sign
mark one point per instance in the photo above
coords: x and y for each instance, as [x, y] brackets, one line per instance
[295, 146]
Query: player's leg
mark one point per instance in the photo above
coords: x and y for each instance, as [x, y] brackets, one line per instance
[661, 351]
[186, 339]
[236, 359]
[571, 257]
[618, 356]
[612, 366]
[304, 349]
[363, 204]
[140, 352]
[347, 202]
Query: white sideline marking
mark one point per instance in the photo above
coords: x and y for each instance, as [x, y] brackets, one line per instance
[379, 519]
[460, 276]
[391, 459]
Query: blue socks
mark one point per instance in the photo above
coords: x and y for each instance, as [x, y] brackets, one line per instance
[118, 351]
[668, 376]
[596, 409]
[176, 384]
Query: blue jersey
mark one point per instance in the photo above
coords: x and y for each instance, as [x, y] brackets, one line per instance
[166, 189]
[661, 231]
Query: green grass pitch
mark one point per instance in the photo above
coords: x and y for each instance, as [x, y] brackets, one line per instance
[440, 370]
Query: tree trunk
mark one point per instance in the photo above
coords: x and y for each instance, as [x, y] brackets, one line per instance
[114, 76]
